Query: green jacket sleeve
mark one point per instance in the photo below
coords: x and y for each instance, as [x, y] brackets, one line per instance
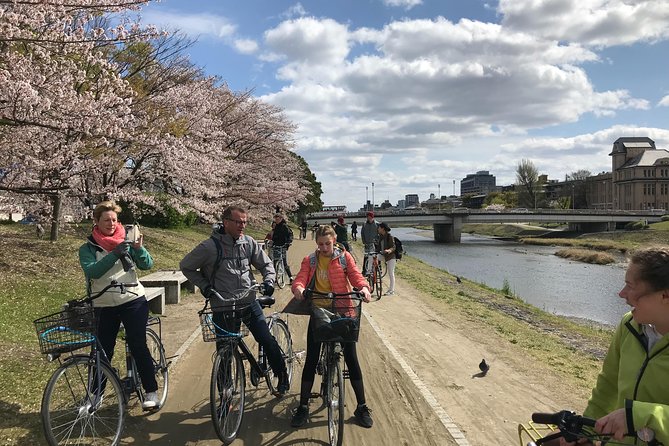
[142, 258]
[605, 394]
[93, 268]
[654, 416]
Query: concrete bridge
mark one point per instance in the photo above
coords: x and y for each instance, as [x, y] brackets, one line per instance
[447, 225]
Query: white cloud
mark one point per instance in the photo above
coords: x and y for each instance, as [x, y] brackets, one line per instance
[664, 102]
[246, 46]
[406, 4]
[195, 25]
[598, 23]
[297, 10]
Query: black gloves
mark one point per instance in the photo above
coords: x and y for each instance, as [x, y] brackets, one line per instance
[268, 288]
[121, 250]
[211, 293]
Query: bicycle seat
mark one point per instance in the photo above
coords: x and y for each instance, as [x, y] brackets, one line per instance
[266, 301]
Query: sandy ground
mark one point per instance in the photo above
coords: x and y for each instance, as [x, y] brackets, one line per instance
[421, 379]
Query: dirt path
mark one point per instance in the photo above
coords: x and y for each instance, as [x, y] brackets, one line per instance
[420, 362]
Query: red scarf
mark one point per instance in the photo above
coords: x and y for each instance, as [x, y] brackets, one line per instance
[109, 242]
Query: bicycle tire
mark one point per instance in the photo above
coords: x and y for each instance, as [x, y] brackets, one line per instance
[71, 412]
[227, 393]
[281, 333]
[157, 351]
[280, 273]
[335, 401]
[379, 283]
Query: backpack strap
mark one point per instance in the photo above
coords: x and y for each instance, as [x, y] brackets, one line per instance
[342, 261]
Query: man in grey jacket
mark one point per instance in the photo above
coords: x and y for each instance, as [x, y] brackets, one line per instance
[225, 269]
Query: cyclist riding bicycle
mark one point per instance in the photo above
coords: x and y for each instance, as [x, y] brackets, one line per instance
[283, 236]
[324, 271]
[631, 391]
[370, 237]
[223, 263]
[105, 257]
[342, 233]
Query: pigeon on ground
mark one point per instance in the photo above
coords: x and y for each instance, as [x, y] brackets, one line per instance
[484, 367]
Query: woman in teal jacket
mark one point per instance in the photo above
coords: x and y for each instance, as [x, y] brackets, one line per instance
[631, 391]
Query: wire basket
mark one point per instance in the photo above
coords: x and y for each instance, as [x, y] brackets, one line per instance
[66, 331]
[336, 319]
[225, 328]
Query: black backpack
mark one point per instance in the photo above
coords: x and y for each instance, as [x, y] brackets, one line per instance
[399, 250]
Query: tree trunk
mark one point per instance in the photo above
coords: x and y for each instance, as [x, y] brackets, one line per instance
[55, 217]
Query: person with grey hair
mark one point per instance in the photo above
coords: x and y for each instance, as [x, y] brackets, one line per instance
[222, 264]
[631, 391]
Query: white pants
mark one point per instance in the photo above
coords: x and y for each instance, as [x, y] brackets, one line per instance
[390, 264]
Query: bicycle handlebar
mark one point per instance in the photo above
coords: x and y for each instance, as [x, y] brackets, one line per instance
[355, 294]
[114, 284]
[572, 427]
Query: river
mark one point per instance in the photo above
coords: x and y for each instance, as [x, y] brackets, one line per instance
[534, 273]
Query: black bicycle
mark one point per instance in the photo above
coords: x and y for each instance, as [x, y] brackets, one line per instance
[336, 320]
[228, 384]
[85, 399]
[572, 427]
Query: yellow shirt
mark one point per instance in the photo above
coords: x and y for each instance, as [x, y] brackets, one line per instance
[322, 280]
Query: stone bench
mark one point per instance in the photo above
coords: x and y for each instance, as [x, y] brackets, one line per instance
[172, 281]
[156, 298]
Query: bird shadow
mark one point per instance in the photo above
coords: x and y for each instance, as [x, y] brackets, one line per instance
[479, 375]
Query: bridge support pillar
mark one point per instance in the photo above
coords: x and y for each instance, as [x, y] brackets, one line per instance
[593, 226]
[448, 232]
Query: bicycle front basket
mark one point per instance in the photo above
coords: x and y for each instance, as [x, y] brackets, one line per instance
[67, 330]
[337, 322]
[212, 331]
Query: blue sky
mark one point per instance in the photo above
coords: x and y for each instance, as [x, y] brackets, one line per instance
[413, 94]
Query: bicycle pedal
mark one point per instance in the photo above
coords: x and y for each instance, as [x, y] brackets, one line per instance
[346, 374]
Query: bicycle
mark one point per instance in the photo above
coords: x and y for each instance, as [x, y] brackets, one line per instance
[279, 253]
[374, 275]
[85, 399]
[546, 427]
[337, 320]
[228, 383]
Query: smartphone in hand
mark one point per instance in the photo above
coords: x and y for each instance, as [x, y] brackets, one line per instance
[132, 233]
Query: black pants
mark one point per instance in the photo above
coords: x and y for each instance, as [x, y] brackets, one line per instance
[311, 361]
[134, 315]
[255, 320]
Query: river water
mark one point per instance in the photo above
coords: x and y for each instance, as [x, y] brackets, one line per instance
[534, 273]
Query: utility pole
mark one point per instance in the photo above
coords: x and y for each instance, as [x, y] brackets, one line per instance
[373, 205]
[454, 188]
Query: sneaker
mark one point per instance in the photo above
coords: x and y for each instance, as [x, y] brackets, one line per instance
[363, 415]
[300, 416]
[284, 384]
[151, 401]
[389, 293]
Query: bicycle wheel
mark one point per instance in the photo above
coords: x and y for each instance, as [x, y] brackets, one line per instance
[226, 394]
[280, 273]
[157, 352]
[379, 282]
[335, 401]
[281, 333]
[74, 413]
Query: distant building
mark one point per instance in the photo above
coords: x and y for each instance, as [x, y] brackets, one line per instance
[480, 182]
[411, 200]
[401, 204]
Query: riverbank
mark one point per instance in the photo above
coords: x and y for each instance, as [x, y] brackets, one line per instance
[37, 276]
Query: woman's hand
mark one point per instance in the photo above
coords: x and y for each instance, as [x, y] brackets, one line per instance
[298, 293]
[614, 423]
[366, 295]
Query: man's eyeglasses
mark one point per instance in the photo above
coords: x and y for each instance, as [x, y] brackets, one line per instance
[239, 222]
